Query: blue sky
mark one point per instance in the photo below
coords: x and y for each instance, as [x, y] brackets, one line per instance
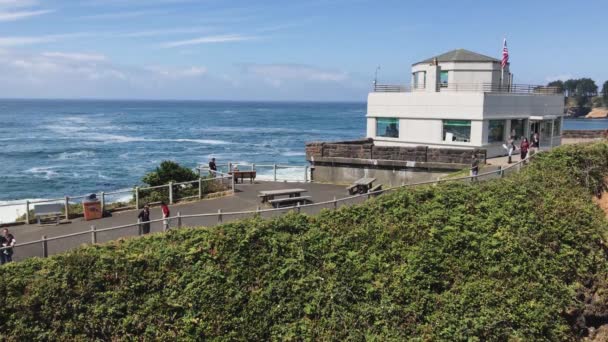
[279, 50]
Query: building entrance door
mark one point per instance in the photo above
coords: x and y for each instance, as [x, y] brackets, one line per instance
[534, 127]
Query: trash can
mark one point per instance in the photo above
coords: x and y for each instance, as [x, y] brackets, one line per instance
[91, 208]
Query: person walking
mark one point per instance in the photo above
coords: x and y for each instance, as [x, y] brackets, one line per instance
[474, 166]
[535, 143]
[166, 214]
[7, 240]
[144, 217]
[212, 168]
[510, 146]
[523, 147]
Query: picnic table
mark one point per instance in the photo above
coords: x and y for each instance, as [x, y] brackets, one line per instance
[242, 175]
[269, 195]
[361, 186]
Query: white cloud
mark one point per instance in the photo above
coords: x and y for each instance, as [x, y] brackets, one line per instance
[13, 16]
[276, 74]
[176, 73]
[208, 40]
[122, 15]
[32, 40]
[76, 56]
[164, 32]
[17, 3]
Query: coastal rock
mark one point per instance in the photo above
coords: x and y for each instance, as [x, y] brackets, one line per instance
[596, 113]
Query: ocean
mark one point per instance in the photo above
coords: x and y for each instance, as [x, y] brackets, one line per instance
[53, 148]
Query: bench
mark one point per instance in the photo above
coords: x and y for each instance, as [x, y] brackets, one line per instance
[376, 188]
[268, 195]
[288, 200]
[352, 189]
[242, 175]
[52, 209]
[361, 186]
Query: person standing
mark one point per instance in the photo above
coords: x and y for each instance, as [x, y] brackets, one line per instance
[166, 214]
[144, 217]
[8, 240]
[474, 166]
[213, 167]
[523, 147]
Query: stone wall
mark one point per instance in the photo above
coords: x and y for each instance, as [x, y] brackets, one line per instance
[365, 149]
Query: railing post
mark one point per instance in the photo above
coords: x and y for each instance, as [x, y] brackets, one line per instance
[219, 216]
[306, 174]
[136, 190]
[103, 201]
[27, 212]
[230, 167]
[170, 192]
[253, 167]
[298, 207]
[274, 168]
[45, 247]
[139, 227]
[179, 219]
[502, 172]
[232, 180]
[200, 187]
[67, 208]
[93, 235]
[335, 203]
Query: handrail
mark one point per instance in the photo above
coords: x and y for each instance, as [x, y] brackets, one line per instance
[476, 87]
[219, 214]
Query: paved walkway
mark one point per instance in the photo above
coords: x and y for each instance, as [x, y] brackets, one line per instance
[245, 199]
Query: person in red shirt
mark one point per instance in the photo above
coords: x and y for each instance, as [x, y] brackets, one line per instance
[523, 147]
[166, 214]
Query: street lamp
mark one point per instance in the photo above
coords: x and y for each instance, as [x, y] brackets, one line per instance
[376, 77]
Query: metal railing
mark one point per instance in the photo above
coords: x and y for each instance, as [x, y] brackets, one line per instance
[476, 87]
[136, 192]
[274, 171]
[221, 217]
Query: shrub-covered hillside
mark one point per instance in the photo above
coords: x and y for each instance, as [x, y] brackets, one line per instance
[517, 259]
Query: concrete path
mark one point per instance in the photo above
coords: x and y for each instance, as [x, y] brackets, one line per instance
[245, 199]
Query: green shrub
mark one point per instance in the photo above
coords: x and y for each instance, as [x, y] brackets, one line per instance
[505, 260]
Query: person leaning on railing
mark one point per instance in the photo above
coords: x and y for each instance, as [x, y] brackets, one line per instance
[6, 240]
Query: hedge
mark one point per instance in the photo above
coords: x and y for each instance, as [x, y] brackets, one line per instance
[516, 259]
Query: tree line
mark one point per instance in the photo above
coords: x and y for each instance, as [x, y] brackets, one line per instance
[582, 92]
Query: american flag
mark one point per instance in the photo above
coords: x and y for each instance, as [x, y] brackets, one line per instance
[505, 54]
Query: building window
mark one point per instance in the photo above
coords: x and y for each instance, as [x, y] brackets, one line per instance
[517, 128]
[557, 128]
[457, 130]
[419, 79]
[496, 129]
[443, 79]
[387, 127]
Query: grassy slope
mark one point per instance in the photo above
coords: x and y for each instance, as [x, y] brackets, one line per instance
[503, 259]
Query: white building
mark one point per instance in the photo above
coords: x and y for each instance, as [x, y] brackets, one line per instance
[462, 99]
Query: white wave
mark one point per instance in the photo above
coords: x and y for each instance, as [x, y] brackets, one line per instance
[199, 141]
[115, 138]
[75, 155]
[222, 129]
[11, 210]
[45, 172]
[293, 154]
[291, 174]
